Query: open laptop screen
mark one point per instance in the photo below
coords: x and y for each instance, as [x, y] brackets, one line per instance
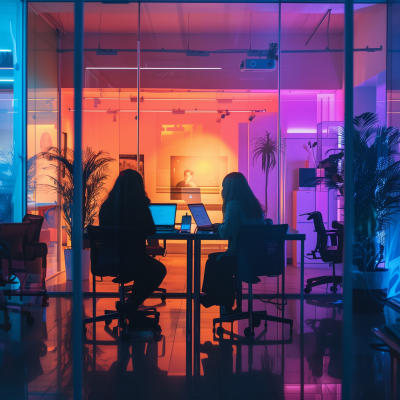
[200, 215]
[163, 214]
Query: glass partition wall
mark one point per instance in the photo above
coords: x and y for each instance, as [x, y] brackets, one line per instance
[12, 140]
[216, 83]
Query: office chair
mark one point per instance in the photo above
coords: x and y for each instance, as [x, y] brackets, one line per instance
[260, 251]
[114, 251]
[154, 249]
[12, 242]
[332, 254]
[34, 249]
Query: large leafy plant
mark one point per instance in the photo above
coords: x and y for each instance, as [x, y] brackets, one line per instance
[95, 174]
[376, 163]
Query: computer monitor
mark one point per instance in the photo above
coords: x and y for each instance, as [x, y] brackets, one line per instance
[163, 215]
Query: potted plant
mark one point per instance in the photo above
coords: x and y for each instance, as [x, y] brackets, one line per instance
[95, 173]
[376, 201]
[266, 147]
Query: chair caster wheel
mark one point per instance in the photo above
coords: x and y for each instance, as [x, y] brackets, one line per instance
[256, 322]
[163, 298]
[108, 321]
[30, 320]
[307, 290]
[248, 332]
[333, 289]
[125, 337]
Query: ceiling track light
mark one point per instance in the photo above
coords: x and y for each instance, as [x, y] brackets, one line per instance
[181, 112]
[150, 68]
[142, 99]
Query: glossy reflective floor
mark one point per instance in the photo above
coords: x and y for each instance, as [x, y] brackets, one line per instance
[35, 361]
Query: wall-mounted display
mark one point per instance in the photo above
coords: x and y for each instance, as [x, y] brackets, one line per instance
[193, 175]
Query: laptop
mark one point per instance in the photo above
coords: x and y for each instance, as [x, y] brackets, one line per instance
[163, 215]
[201, 218]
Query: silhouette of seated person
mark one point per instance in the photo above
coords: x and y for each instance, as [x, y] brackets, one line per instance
[128, 206]
[239, 207]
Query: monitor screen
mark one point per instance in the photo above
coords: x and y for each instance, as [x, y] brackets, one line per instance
[163, 214]
[200, 214]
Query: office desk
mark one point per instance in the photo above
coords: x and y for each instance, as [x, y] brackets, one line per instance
[198, 238]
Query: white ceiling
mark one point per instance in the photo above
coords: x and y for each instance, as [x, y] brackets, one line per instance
[198, 18]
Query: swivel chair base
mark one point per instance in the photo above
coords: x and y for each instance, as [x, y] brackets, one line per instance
[140, 320]
[256, 317]
[323, 280]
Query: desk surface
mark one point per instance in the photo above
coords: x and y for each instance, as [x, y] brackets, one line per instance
[175, 235]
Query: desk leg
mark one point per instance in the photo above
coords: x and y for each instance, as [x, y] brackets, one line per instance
[393, 361]
[302, 321]
[197, 261]
[189, 306]
[94, 323]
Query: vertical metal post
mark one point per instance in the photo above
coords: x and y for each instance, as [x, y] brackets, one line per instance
[302, 321]
[348, 206]
[189, 276]
[138, 90]
[279, 121]
[77, 215]
[196, 313]
[59, 145]
[279, 131]
[24, 106]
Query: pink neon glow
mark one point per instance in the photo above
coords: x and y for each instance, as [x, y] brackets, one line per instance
[301, 130]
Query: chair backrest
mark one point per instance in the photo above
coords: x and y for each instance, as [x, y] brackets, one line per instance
[14, 235]
[260, 251]
[33, 231]
[114, 251]
[322, 237]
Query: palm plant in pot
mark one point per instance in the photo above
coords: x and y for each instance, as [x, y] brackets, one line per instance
[95, 174]
[376, 163]
[267, 147]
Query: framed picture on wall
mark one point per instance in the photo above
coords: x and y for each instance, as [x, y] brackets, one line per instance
[129, 161]
[192, 176]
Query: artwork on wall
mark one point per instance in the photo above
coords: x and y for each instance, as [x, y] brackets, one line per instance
[193, 175]
[129, 161]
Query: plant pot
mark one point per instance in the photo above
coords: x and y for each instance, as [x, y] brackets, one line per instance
[85, 264]
[370, 290]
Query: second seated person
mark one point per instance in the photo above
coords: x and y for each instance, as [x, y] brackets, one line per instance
[128, 206]
[239, 207]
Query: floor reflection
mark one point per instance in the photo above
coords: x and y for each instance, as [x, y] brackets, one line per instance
[35, 361]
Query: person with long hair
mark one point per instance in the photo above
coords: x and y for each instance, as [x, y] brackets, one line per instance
[128, 206]
[239, 207]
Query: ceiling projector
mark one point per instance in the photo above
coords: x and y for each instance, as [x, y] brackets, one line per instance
[257, 65]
